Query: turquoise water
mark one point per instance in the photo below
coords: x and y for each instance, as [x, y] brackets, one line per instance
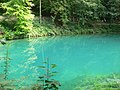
[74, 56]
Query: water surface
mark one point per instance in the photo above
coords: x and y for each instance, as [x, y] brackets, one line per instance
[74, 56]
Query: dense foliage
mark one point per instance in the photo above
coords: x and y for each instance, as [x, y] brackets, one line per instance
[82, 11]
[63, 13]
[20, 10]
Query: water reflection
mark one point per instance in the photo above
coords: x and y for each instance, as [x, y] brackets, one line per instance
[74, 56]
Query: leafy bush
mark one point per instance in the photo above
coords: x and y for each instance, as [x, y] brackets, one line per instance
[21, 10]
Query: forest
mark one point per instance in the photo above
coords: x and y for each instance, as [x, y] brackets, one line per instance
[34, 18]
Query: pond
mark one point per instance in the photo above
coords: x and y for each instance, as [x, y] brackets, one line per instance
[74, 57]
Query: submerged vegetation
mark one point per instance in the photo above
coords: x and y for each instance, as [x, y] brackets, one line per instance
[104, 82]
[46, 80]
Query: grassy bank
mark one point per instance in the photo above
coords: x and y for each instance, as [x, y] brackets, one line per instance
[48, 28]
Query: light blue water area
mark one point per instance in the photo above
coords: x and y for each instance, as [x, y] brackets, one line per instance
[74, 56]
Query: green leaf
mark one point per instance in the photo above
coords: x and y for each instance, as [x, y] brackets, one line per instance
[41, 66]
[45, 62]
[53, 65]
[41, 77]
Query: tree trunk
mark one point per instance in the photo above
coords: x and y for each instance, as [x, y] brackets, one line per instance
[40, 13]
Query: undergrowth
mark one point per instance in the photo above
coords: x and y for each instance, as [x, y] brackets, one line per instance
[48, 28]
